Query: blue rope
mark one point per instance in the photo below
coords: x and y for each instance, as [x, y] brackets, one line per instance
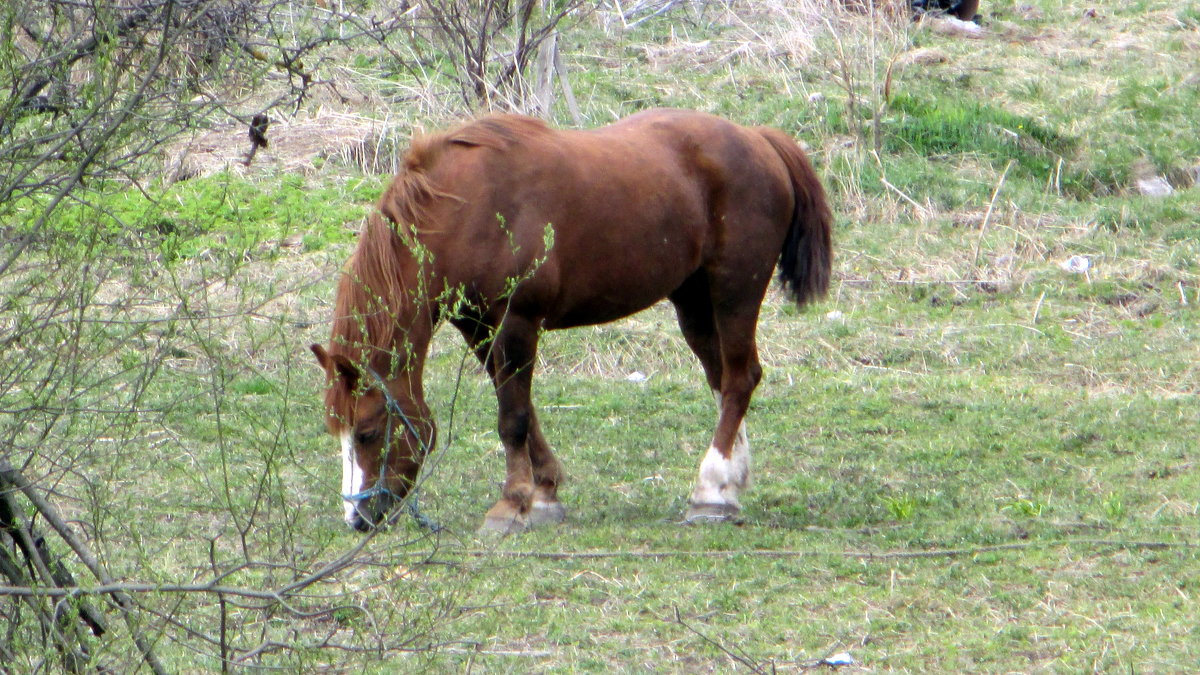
[423, 520]
[379, 488]
[372, 491]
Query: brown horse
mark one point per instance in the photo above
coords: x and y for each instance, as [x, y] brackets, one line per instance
[505, 227]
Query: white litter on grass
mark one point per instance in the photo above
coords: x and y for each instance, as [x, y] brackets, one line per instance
[1077, 264]
[1154, 186]
[835, 315]
[637, 376]
[949, 25]
[839, 659]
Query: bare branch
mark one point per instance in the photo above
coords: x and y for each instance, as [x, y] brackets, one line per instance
[10, 476]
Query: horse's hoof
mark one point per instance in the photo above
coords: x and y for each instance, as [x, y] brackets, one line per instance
[546, 513]
[502, 526]
[710, 513]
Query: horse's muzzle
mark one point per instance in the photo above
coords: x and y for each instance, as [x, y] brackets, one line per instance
[371, 513]
[359, 523]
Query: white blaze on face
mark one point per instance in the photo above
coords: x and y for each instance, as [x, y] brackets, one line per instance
[352, 476]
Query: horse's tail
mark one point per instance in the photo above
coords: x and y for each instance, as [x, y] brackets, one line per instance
[807, 255]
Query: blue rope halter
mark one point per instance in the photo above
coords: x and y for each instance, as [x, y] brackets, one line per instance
[380, 488]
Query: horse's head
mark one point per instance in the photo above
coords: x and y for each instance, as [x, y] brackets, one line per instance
[385, 430]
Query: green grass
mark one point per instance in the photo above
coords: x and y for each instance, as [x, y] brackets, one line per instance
[981, 463]
[973, 128]
[220, 214]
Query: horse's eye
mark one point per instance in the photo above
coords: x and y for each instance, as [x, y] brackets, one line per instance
[365, 437]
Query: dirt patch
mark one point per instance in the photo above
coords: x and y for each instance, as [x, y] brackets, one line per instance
[299, 145]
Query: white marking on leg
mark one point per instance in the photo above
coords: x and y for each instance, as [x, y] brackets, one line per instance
[720, 479]
[352, 477]
[741, 454]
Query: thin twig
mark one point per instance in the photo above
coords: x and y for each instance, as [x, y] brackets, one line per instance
[666, 7]
[921, 282]
[132, 587]
[1037, 309]
[922, 211]
[858, 555]
[741, 658]
[987, 217]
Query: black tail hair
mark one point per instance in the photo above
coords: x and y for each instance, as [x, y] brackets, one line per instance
[807, 256]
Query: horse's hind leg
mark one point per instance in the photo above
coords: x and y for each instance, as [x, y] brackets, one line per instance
[724, 343]
[547, 474]
[725, 469]
[693, 308]
[509, 361]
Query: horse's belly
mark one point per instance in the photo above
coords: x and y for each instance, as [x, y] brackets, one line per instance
[609, 303]
[595, 314]
[611, 282]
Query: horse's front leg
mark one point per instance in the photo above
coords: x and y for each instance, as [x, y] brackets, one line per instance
[532, 473]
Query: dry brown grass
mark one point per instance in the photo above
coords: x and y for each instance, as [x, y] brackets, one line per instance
[297, 145]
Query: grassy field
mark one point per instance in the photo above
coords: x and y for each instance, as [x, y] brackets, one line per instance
[973, 457]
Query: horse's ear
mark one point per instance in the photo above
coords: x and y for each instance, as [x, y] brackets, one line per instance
[346, 370]
[322, 355]
[337, 365]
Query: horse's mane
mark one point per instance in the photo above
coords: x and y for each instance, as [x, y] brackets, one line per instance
[498, 132]
[370, 295]
[372, 298]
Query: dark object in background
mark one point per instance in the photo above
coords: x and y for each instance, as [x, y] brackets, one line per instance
[258, 137]
[258, 130]
[964, 10]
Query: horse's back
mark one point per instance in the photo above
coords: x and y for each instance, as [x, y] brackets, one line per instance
[604, 222]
